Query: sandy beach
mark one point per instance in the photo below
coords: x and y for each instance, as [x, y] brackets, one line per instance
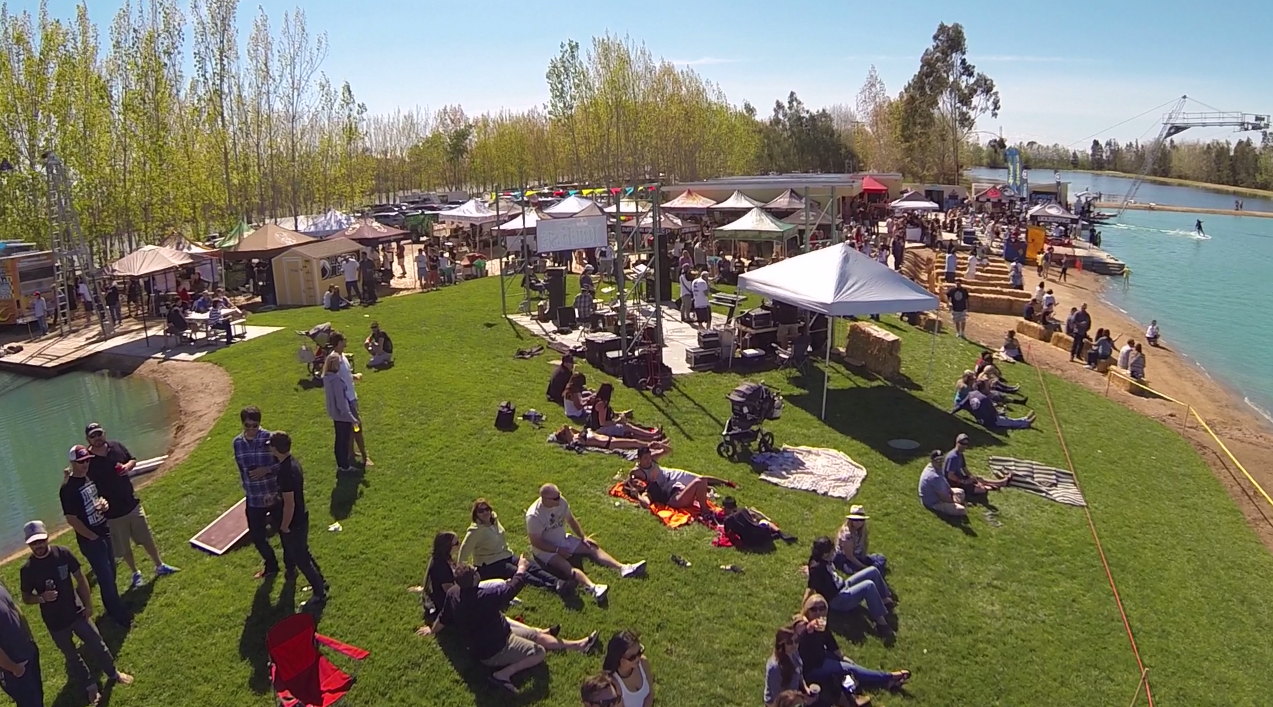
[1246, 433]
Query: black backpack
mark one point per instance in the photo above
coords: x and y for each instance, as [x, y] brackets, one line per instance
[742, 526]
[505, 415]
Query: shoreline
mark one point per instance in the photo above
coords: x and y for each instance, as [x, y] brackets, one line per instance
[202, 392]
[1182, 209]
[1171, 372]
[1189, 183]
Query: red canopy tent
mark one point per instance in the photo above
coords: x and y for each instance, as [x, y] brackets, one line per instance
[871, 186]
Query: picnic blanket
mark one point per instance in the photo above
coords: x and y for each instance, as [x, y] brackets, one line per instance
[629, 454]
[829, 472]
[1048, 482]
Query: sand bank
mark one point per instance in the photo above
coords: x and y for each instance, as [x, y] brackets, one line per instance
[1112, 206]
[1246, 433]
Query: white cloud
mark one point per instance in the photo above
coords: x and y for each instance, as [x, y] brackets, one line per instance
[702, 61]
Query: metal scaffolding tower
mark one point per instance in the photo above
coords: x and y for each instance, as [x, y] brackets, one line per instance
[1177, 121]
[71, 254]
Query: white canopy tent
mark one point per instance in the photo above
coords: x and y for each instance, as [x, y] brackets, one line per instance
[838, 281]
[150, 260]
[913, 201]
[521, 221]
[737, 201]
[471, 211]
[570, 206]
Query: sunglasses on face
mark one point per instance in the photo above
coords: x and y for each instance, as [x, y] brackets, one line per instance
[97, 434]
[484, 510]
[640, 651]
[817, 610]
[609, 701]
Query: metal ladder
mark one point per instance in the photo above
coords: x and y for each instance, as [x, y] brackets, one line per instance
[70, 251]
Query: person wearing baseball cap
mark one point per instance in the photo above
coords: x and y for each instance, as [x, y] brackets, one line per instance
[955, 467]
[935, 492]
[852, 542]
[52, 578]
[85, 511]
[109, 468]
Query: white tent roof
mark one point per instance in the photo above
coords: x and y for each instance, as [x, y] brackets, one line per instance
[471, 211]
[690, 200]
[667, 222]
[150, 260]
[737, 201]
[839, 281]
[913, 201]
[754, 225]
[520, 222]
[627, 207]
[330, 222]
[570, 206]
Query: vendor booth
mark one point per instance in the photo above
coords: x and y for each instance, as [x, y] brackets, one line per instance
[913, 202]
[371, 233]
[303, 273]
[838, 281]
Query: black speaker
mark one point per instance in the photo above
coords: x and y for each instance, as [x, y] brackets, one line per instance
[666, 272]
[566, 317]
[556, 286]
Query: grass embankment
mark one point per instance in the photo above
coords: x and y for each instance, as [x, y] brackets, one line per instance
[1011, 611]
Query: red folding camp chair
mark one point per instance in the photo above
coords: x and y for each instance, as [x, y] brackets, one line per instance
[302, 676]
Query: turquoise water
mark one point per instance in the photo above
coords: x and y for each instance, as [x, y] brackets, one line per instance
[41, 419]
[1209, 294]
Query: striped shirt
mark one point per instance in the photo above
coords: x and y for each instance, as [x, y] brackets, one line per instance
[252, 454]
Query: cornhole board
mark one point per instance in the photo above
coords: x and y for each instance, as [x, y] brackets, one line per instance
[223, 533]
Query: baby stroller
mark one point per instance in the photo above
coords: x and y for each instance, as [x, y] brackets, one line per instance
[312, 356]
[750, 405]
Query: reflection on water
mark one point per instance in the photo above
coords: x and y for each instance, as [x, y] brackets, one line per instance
[41, 419]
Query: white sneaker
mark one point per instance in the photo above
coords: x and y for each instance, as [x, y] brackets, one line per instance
[599, 592]
[632, 569]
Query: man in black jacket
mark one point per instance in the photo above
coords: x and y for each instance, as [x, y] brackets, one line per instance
[561, 376]
[1082, 323]
[494, 640]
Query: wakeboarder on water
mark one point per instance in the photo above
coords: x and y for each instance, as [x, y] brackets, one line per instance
[1197, 227]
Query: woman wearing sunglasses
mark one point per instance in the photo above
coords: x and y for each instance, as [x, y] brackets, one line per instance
[487, 549]
[824, 663]
[625, 660]
[784, 672]
[600, 690]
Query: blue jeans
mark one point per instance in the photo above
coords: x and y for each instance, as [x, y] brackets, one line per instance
[77, 672]
[832, 671]
[101, 557]
[875, 560]
[1012, 423]
[42, 323]
[28, 690]
[864, 586]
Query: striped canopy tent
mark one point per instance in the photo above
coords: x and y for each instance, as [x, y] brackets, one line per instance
[755, 225]
[737, 201]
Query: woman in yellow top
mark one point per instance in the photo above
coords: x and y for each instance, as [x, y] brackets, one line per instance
[485, 547]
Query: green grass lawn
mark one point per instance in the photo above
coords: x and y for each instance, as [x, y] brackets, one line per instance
[1008, 611]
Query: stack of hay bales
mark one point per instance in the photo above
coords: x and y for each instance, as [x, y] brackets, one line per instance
[880, 351]
[1034, 330]
[1065, 342]
[996, 303]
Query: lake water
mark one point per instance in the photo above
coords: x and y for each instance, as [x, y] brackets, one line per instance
[40, 419]
[1208, 294]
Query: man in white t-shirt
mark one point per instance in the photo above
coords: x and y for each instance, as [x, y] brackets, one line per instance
[338, 343]
[546, 522]
[952, 265]
[421, 267]
[687, 293]
[1125, 354]
[349, 267]
[702, 306]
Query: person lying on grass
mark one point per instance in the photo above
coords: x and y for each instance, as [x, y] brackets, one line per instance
[605, 420]
[673, 487]
[477, 609]
[863, 587]
[569, 436]
[825, 664]
[955, 468]
[546, 522]
[485, 546]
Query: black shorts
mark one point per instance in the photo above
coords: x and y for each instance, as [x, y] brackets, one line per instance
[703, 315]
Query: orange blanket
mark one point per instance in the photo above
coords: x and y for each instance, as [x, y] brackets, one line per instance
[671, 517]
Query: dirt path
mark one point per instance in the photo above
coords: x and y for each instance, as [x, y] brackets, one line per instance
[1247, 435]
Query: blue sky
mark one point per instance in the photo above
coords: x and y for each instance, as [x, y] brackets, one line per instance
[1063, 75]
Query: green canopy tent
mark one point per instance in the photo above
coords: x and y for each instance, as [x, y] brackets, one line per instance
[236, 234]
[756, 225]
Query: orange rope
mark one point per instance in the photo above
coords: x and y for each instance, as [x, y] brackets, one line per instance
[1091, 524]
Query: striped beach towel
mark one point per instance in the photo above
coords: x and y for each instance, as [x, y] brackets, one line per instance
[1048, 482]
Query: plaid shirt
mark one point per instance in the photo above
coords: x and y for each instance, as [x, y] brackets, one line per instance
[252, 454]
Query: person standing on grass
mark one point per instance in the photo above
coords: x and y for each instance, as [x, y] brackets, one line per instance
[367, 270]
[109, 468]
[957, 296]
[421, 268]
[51, 577]
[260, 487]
[19, 656]
[338, 343]
[85, 512]
[338, 410]
[1079, 327]
[294, 528]
[349, 268]
[687, 294]
[401, 252]
[546, 522]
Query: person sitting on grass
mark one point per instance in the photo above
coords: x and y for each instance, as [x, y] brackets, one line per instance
[333, 300]
[865, 586]
[987, 369]
[955, 468]
[626, 661]
[380, 346]
[1102, 349]
[439, 575]
[560, 377]
[852, 544]
[477, 609]
[673, 488]
[485, 546]
[600, 691]
[784, 671]
[935, 493]
[1011, 347]
[825, 664]
[546, 522]
[570, 437]
[983, 409]
[605, 420]
[576, 398]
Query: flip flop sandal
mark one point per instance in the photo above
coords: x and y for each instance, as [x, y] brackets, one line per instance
[897, 682]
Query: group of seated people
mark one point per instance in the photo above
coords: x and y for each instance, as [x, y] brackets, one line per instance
[946, 483]
[217, 306]
[983, 392]
[470, 583]
[334, 300]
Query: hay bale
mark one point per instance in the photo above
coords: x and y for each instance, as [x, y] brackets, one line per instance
[1065, 342]
[1034, 330]
[930, 322]
[1121, 380]
[880, 351]
[1103, 365]
[994, 304]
